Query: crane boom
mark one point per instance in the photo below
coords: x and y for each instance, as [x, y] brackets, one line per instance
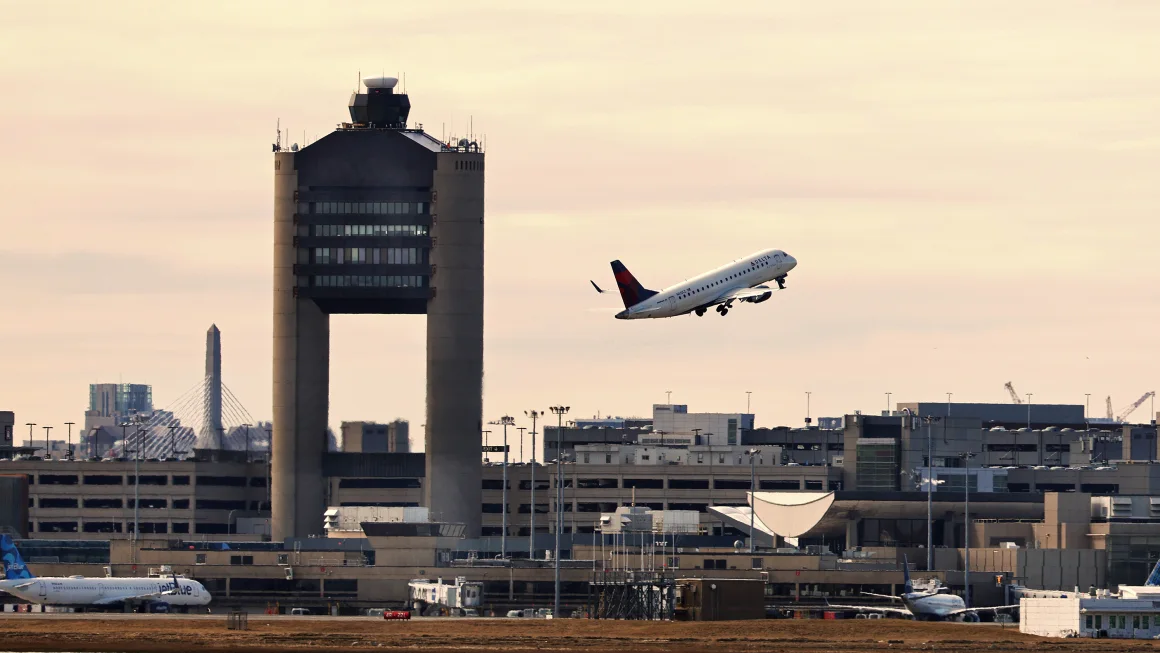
[1014, 395]
[1136, 404]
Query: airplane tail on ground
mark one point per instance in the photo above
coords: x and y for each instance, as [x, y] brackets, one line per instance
[14, 568]
[907, 587]
[630, 289]
[1154, 577]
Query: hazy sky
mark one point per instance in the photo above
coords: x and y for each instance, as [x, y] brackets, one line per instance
[970, 190]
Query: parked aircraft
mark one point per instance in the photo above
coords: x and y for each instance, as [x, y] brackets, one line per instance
[739, 281]
[935, 603]
[78, 591]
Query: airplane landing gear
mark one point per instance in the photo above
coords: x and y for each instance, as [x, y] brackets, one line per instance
[780, 283]
[723, 310]
[700, 312]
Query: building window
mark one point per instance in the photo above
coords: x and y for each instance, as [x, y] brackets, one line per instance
[1088, 622]
[283, 558]
[241, 560]
[757, 563]
[199, 559]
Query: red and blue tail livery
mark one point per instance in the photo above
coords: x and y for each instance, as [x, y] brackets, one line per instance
[740, 281]
[630, 289]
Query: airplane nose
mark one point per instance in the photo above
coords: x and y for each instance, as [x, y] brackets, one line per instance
[792, 261]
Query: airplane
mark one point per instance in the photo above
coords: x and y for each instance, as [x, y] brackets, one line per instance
[934, 604]
[739, 281]
[78, 591]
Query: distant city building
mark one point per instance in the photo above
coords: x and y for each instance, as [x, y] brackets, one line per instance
[111, 404]
[7, 423]
[372, 437]
[699, 428]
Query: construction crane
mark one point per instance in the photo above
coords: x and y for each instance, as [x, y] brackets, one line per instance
[1136, 404]
[1014, 395]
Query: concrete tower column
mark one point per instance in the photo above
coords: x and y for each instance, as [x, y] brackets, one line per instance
[452, 489]
[301, 377]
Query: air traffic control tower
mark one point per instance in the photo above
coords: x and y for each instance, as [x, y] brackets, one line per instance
[377, 218]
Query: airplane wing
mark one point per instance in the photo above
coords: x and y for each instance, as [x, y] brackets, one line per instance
[867, 608]
[994, 609]
[743, 294]
[881, 596]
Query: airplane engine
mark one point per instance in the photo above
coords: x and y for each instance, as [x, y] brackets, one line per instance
[764, 296]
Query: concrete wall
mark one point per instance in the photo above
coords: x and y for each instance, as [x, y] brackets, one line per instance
[455, 342]
[1049, 617]
[301, 376]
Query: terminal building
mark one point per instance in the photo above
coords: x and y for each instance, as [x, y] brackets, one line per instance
[1054, 506]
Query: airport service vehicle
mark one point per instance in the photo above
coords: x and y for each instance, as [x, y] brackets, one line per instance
[933, 604]
[78, 591]
[740, 281]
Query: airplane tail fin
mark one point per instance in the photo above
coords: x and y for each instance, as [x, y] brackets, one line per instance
[14, 567]
[1154, 577]
[907, 587]
[630, 289]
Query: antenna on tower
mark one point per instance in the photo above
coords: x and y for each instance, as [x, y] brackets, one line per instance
[278, 140]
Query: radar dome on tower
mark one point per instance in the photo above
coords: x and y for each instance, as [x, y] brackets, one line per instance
[381, 82]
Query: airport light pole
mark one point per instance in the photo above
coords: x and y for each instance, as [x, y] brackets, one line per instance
[808, 393]
[136, 487]
[521, 429]
[888, 411]
[47, 430]
[247, 427]
[1029, 411]
[929, 498]
[173, 440]
[752, 497]
[30, 425]
[69, 455]
[534, 414]
[966, 456]
[559, 411]
[504, 421]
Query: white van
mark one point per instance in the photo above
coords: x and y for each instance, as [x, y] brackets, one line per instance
[299, 611]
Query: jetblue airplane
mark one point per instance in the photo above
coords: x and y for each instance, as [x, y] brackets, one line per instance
[78, 591]
[935, 604]
[740, 281]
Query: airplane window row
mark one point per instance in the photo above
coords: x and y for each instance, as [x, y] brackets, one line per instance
[370, 230]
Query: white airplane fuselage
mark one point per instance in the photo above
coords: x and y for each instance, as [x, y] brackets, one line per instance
[77, 591]
[938, 606]
[710, 288]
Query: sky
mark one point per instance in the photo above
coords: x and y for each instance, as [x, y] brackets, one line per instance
[969, 190]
